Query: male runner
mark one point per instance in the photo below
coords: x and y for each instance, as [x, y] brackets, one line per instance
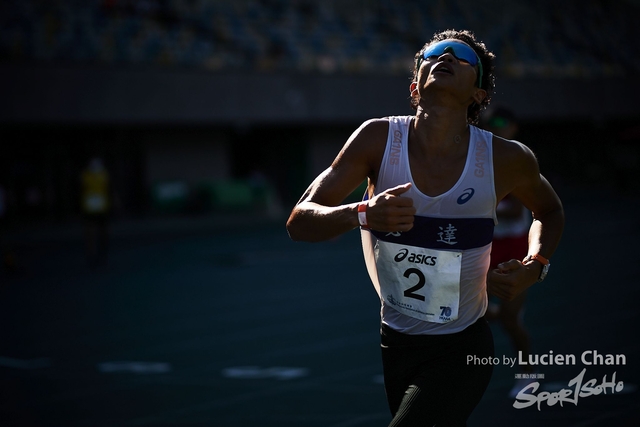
[427, 220]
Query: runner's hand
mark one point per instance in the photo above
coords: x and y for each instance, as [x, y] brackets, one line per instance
[390, 211]
[511, 278]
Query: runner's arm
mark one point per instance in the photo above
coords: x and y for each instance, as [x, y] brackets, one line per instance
[319, 215]
[534, 191]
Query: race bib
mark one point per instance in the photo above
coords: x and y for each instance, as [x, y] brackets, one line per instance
[419, 282]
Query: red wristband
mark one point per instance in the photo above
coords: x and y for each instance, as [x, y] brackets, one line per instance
[362, 215]
[536, 257]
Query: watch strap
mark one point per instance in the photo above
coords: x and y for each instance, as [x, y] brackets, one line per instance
[542, 260]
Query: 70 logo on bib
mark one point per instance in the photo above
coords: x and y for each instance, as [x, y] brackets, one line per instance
[445, 314]
[419, 282]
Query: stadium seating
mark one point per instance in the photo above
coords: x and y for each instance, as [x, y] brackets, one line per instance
[531, 38]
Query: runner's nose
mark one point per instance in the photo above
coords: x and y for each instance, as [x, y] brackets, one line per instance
[447, 56]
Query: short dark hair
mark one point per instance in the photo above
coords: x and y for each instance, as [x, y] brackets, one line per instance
[487, 58]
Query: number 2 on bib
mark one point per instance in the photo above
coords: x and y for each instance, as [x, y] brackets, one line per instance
[410, 293]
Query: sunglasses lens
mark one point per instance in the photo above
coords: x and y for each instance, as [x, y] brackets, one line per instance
[459, 50]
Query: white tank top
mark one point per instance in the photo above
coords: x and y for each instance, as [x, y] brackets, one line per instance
[432, 279]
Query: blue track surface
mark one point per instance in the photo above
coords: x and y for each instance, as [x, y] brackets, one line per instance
[242, 327]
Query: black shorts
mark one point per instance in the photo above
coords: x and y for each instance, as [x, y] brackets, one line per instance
[427, 378]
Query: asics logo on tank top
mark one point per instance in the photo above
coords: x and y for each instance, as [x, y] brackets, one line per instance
[464, 197]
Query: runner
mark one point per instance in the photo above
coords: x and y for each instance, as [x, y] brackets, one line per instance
[95, 208]
[427, 218]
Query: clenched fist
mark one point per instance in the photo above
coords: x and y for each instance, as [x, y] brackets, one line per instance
[390, 211]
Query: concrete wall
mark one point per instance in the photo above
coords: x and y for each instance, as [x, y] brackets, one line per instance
[324, 146]
[82, 94]
[191, 157]
[192, 126]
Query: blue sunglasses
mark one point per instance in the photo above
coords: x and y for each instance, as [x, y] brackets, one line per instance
[461, 51]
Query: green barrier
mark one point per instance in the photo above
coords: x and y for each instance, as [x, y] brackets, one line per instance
[226, 195]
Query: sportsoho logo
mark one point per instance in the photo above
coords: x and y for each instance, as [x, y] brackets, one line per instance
[415, 258]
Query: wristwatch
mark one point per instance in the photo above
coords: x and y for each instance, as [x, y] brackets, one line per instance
[542, 260]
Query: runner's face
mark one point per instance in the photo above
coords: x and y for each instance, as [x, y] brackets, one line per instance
[446, 70]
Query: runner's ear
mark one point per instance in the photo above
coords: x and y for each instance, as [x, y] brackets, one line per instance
[479, 96]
